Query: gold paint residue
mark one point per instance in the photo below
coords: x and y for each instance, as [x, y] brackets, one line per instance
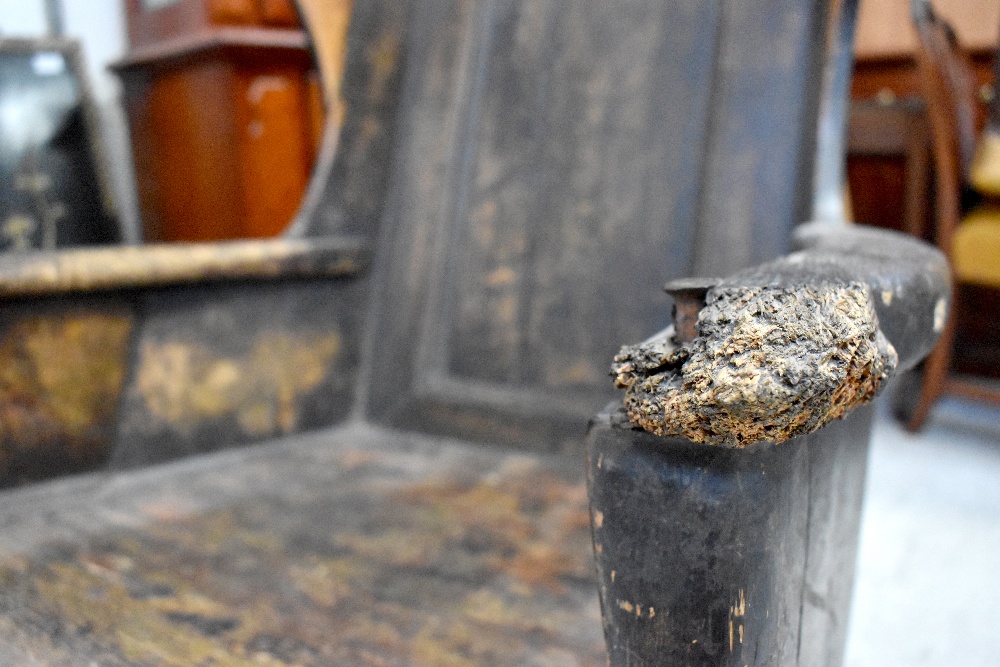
[186, 384]
[324, 582]
[501, 277]
[739, 611]
[61, 375]
[141, 628]
[740, 608]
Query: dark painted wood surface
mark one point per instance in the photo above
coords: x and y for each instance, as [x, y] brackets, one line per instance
[218, 366]
[556, 163]
[126, 357]
[368, 548]
[540, 170]
[708, 556]
[548, 166]
[63, 365]
[347, 193]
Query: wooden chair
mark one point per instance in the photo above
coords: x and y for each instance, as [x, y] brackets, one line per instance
[970, 239]
[525, 174]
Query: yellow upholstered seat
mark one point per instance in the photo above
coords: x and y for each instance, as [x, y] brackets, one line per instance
[975, 252]
[984, 172]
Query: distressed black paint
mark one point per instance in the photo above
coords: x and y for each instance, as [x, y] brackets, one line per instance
[555, 160]
[712, 556]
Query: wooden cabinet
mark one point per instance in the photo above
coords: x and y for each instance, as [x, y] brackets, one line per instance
[150, 22]
[223, 105]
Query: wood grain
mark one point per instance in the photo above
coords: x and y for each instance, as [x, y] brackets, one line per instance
[360, 549]
[556, 166]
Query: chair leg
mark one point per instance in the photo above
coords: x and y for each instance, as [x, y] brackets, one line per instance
[935, 375]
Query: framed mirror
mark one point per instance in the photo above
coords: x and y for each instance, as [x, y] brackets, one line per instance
[53, 183]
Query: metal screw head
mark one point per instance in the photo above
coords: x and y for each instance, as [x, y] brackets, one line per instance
[689, 299]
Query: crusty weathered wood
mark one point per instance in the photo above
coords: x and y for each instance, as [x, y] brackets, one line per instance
[726, 491]
[768, 363]
[779, 350]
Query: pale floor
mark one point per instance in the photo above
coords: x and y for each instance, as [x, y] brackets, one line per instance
[928, 581]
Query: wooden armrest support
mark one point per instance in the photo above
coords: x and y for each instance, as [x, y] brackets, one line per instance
[716, 545]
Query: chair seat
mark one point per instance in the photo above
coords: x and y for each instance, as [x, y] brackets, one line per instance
[976, 248]
[361, 547]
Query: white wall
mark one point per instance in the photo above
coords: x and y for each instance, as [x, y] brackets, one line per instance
[886, 29]
[100, 27]
[99, 24]
[20, 18]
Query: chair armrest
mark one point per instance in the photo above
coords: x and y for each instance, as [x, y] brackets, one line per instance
[714, 543]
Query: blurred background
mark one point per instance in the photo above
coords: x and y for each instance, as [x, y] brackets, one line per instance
[209, 112]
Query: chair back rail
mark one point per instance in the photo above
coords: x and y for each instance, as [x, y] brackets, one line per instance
[949, 87]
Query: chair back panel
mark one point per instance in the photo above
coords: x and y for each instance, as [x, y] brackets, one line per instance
[556, 162]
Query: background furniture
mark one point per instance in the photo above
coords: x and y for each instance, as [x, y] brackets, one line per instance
[883, 177]
[971, 242]
[877, 133]
[225, 115]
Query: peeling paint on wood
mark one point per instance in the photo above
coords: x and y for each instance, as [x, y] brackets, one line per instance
[117, 268]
